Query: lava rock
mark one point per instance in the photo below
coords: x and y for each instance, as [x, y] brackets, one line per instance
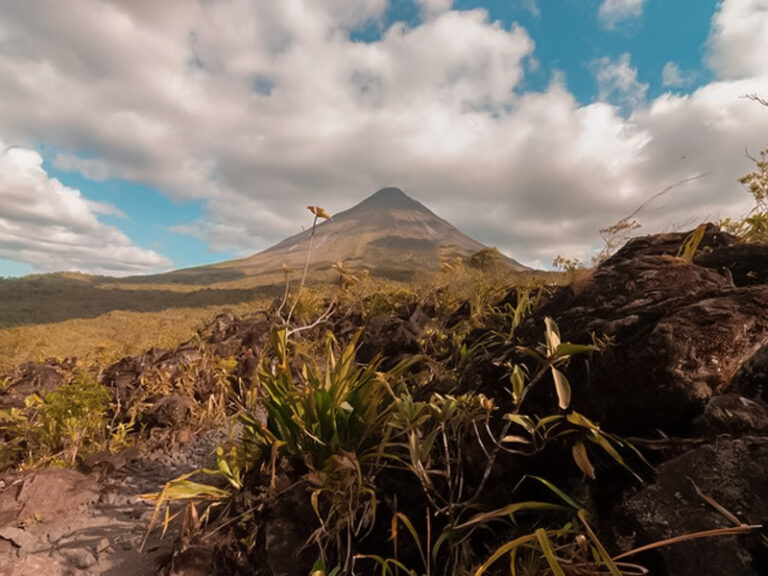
[735, 415]
[679, 334]
[732, 472]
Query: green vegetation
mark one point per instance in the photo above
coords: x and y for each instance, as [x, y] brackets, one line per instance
[351, 430]
[754, 226]
[58, 426]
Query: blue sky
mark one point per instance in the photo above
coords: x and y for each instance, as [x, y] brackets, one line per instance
[208, 130]
[146, 215]
[568, 38]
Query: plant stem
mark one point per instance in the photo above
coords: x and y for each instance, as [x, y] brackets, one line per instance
[304, 274]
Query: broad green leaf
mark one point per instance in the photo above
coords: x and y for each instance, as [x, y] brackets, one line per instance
[520, 420]
[552, 335]
[562, 388]
[566, 349]
[581, 458]
[582, 421]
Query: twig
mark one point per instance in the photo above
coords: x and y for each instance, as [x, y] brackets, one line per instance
[712, 502]
[756, 98]
[306, 268]
[320, 319]
[735, 531]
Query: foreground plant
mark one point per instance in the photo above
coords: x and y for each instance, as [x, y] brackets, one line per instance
[58, 426]
[333, 417]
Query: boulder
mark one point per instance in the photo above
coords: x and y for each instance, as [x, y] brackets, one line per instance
[745, 262]
[29, 379]
[730, 472]
[752, 378]
[171, 410]
[734, 415]
[679, 333]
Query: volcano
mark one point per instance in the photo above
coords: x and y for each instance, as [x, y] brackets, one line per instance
[388, 233]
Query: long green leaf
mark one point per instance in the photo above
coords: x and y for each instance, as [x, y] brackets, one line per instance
[508, 510]
[604, 556]
[566, 349]
[562, 495]
[549, 553]
[504, 549]
[606, 445]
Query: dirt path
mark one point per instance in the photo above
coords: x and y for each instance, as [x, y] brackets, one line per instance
[58, 522]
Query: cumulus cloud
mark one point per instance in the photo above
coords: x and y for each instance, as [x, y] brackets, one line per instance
[52, 227]
[738, 40]
[432, 8]
[261, 108]
[614, 12]
[673, 77]
[617, 82]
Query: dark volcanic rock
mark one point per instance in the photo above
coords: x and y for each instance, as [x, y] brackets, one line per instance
[745, 262]
[392, 336]
[171, 410]
[733, 473]
[29, 379]
[680, 333]
[735, 415]
[669, 243]
[752, 378]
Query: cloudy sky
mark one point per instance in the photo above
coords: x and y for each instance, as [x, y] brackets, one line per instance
[138, 136]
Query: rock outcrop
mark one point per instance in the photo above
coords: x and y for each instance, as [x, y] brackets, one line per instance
[680, 332]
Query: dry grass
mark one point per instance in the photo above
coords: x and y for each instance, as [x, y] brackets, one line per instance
[109, 336]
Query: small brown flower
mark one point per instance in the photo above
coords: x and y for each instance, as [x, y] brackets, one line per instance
[319, 212]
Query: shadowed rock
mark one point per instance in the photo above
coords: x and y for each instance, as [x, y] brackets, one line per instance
[680, 332]
[732, 472]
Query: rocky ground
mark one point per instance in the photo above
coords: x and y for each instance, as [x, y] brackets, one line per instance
[61, 522]
[684, 374]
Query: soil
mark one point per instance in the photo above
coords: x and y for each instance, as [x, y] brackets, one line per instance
[60, 522]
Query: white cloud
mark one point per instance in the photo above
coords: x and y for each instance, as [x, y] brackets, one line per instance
[672, 76]
[532, 6]
[613, 12]
[261, 108]
[617, 82]
[432, 8]
[52, 227]
[738, 41]
[93, 169]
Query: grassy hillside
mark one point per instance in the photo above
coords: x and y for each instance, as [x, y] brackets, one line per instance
[56, 297]
[110, 336]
